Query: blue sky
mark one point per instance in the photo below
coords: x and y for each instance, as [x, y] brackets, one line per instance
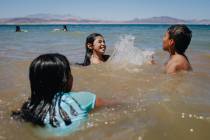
[108, 9]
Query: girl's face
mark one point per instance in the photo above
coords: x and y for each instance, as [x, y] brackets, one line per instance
[99, 45]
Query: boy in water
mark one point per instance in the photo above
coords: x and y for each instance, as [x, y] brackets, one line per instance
[175, 41]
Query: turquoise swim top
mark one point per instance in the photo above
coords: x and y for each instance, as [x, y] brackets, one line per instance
[76, 105]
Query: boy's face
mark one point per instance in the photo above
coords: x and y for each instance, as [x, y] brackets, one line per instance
[167, 42]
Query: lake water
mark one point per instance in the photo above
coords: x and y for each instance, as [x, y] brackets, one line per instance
[153, 105]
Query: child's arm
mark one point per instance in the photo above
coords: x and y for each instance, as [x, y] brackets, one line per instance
[151, 60]
[102, 102]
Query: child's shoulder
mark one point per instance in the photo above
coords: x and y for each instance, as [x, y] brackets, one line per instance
[85, 99]
[182, 61]
[83, 96]
[79, 94]
[177, 63]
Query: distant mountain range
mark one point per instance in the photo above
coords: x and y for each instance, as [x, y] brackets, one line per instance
[70, 19]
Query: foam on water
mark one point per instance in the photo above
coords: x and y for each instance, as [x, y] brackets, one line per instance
[125, 53]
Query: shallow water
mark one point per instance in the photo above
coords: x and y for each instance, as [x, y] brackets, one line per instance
[153, 105]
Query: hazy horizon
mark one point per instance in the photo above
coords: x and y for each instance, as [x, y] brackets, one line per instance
[107, 10]
[60, 15]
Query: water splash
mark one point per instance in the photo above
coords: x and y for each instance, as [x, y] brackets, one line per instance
[125, 53]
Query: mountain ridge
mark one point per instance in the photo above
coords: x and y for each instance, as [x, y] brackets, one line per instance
[71, 19]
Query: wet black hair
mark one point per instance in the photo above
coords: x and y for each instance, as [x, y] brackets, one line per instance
[65, 28]
[49, 74]
[17, 28]
[89, 40]
[182, 35]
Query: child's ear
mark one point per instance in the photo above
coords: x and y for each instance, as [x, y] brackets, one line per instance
[171, 42]
[171, 46]
[90, 46]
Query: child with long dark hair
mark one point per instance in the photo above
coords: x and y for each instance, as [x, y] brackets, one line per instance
[95, 49]
[52, 104]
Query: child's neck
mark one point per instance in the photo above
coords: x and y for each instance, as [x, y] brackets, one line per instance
[96, 58]
[172, 54]
[175, 53]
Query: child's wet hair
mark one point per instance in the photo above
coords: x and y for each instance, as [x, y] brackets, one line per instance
[49, 74]
[182, 35]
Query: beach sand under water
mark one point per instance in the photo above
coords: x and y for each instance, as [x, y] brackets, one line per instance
[153, 105]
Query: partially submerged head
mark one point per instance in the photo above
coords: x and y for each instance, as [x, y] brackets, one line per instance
[95, 43]
[65, 28]
[49, 74]
[177, 39]
[18, 28]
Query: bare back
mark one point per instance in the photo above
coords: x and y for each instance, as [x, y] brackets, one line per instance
[177, 63]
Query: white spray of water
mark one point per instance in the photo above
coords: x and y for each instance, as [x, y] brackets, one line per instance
[126, 53]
